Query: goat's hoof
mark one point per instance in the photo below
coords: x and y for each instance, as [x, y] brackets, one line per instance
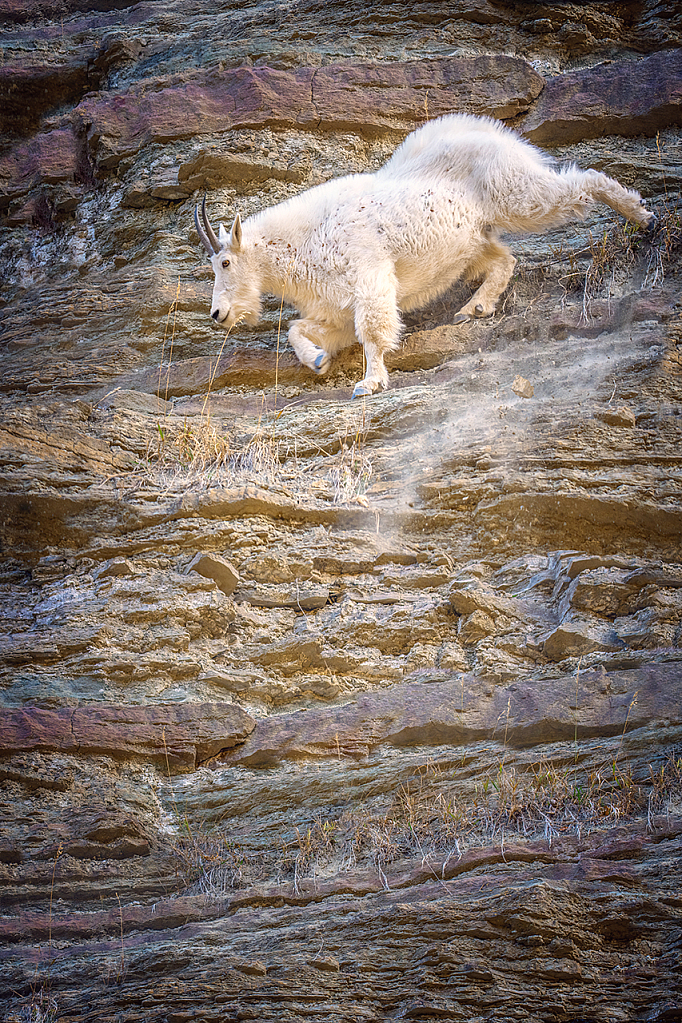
[362, 390]
[651, 225]
[322, 362]
[461, 318]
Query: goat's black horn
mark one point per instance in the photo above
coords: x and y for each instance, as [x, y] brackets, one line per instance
[209, 230]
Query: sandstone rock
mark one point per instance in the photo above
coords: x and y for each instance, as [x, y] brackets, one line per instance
[198, 375]
[27, 91]
[620, 417]
[272, 568]
[215, 567]
[474, 627]
[503, 88]
[452, 656]
[10, 852]
[466, 709]
[294, 654]
[422, 655]
[123, 849]
[641, 632]
[573, 566]
[656, 575]
[49, 157]
[328, 964]
[578, 635]
[306, 597]
[565, 512]
[253, 968]
[468, 596]
[343, 97]
[342, 565]
[116, 49]
[115, 567]
[624, 98]
[211, 168]
[522, 387]
[395, 557]
[136, 401]
[175, 736]
[605, 591]
[418, 579]
[380, 597]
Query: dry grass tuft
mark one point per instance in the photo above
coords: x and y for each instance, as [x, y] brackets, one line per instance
[351, 476]
[41, 1008]
[208, 862]
[201, 451]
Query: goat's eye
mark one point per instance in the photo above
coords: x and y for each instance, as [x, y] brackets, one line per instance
[226, 263]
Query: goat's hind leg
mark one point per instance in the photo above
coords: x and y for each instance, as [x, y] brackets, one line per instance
[377, 325]
[495, 264]
[601, 188]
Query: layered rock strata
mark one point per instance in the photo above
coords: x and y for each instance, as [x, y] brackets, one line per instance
[307, 708]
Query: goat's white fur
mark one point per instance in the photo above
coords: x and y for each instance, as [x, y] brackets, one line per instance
[352, 253]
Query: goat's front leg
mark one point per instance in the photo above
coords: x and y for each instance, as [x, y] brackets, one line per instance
[377, 325]
[307, 352]
[496, 265]
[315, 342]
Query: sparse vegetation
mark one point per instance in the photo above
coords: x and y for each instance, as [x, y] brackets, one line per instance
[208, 861]
[623, 249]
[40, 1008]
[430, 816]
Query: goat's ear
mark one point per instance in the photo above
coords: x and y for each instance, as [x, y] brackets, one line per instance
[223, 237]
[236, 234]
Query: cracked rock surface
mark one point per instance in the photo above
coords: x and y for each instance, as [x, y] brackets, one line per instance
[312, 708]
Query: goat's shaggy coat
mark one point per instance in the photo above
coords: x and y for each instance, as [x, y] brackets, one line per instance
[352, 253]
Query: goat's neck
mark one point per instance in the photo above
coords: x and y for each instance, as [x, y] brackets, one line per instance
[278, 265]
[277, 256]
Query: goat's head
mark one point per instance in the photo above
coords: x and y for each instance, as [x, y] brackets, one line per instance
[236, 293]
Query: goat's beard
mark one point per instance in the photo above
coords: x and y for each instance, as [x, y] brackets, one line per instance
[240, 313]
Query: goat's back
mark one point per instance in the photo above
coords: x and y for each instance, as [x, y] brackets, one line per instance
[477, 151]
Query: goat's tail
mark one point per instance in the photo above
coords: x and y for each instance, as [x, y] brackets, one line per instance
[627, 202]
[549, 199]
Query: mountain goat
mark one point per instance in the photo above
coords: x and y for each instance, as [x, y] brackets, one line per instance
[352, 253]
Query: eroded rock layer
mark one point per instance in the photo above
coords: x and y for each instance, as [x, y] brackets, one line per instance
[309, 708]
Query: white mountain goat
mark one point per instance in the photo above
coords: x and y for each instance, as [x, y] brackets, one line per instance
[352, 253]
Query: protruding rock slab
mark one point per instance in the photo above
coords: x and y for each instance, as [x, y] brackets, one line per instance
[49, 157]
[213, 566]
[360, 97]
[577, 636]
[523, 387]
[565, 512]
[635, 97]
[179, 737]
[305, 597]
[463, 710]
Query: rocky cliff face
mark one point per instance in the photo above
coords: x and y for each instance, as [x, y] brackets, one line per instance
[366, 711]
